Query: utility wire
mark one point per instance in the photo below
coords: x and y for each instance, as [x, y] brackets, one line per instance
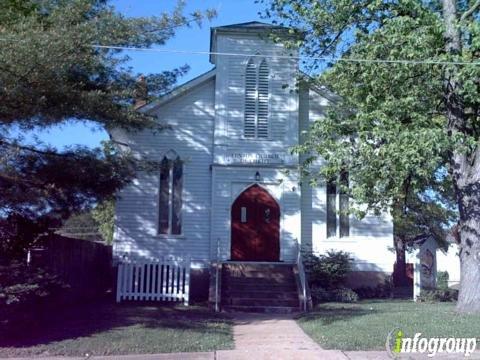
[321, 58]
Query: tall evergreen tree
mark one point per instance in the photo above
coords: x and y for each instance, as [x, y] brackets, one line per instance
[51, 73]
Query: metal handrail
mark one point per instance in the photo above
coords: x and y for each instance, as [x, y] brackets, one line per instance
[217, 274]
[303, 279]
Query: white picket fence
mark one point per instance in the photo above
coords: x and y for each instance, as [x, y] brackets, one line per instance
[160, 279]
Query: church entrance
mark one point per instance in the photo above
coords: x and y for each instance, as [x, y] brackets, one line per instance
[255, 221]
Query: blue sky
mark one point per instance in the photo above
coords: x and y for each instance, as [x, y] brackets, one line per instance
[193, 38]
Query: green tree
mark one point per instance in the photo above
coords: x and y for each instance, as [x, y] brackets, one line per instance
[420, 215]
[81, 226]
[104, 215]
[51, 73]
[404, 121]
[96, 224]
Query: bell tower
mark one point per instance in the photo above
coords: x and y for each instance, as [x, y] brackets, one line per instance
[256, 105]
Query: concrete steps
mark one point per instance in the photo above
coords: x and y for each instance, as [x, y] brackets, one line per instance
[254, 301]
[266, 294]
[262, 309]
[254, 287]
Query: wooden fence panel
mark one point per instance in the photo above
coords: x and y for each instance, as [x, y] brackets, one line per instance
[84, 265]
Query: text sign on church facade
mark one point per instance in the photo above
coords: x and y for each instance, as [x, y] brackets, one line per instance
[255, 158]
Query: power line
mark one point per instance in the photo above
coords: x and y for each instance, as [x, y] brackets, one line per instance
[320, 58]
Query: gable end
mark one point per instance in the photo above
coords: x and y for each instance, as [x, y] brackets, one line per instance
[178, 91]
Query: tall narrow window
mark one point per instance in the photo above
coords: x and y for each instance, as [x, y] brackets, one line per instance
[343, 205]
[262, 107]
[256, 100]
[170, 195]
[343, 221]
[164, 198]
[331, 209]
[250, 100]
[177, 197]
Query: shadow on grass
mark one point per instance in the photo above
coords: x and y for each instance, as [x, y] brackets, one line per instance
[328, 314]
[50, 325]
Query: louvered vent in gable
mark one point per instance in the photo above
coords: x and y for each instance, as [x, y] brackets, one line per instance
[262, 107]
[250, 100]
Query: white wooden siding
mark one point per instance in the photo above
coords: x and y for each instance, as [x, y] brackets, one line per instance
[230, 97]
[370, 239]
[191, 117]
[207, 124]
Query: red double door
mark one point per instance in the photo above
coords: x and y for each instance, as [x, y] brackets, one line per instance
[255, 226]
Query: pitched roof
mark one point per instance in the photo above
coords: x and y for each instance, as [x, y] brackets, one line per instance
[321, 90]
[179, 90]
[247, 27]
[251, 25]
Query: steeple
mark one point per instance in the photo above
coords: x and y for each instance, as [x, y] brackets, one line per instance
[250, 27]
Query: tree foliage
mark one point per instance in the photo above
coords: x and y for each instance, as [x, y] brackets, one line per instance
[386, 129]
[81, 226]
[96, 224]
[405, 113]
[52, 73]
[426, 211]
[104, 215]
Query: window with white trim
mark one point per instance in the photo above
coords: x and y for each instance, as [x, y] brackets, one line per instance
[338, 219]
[256, 100]
[331, 209]
[170, 195]
[343, 206]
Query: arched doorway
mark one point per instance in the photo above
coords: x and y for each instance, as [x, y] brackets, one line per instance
[255, 226]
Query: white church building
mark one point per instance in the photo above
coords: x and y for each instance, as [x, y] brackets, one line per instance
[229, 190]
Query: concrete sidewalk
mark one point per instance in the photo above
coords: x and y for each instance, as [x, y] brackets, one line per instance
[270, 332]
[265, 355]
[272, 336]
[268, 337]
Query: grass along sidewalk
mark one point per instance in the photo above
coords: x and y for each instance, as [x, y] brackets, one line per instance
[110, 329]
[365, 325]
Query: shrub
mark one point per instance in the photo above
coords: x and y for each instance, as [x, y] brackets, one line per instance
[367, 292]
[22, 288]
[381, 291]
[438, 295]
[329, 270]
[345, 295]
[320, 295]
[442, 279]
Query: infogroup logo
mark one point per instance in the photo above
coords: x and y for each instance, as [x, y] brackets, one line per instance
[398, 344]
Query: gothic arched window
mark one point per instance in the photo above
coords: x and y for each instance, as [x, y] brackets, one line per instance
[256, 100]
[170, 195]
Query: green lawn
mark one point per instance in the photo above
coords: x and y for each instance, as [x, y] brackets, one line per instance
[365, 325]
[109, 329]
